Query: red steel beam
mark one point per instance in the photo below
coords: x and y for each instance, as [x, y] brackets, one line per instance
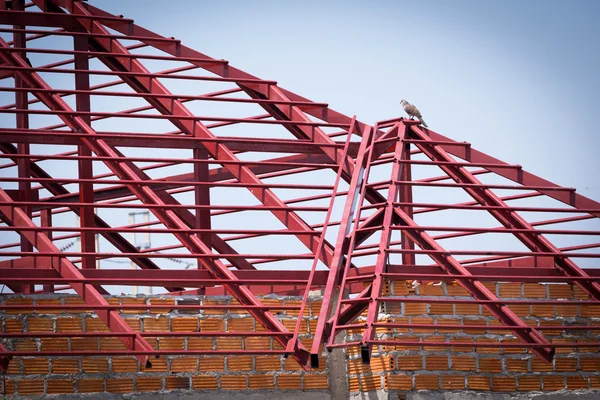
[143, 334]
[383, 185]
[342, 262]
[451, 266]
[506, 207]
[507, 217]
[71, 156]
[127, 171]
[201, 129]
[92, 54]
[193, 127]
[92, 92]
[533, 346]
[135, 229]
[57, 189]
[207, 255]
[542, 274]
[85, 166]
[397, 173]
[160, 274]
[170, 140]
[406, 196]
[152, 352]
[43, 205]
[156, 116]
[66, 71]
[523, 177]
[46, 222]
[22, 122]
[61, 32]
[49, 19]
[466, 326]
[189, 282]
[68, 271]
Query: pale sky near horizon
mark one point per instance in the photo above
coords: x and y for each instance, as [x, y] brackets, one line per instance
[517, 79]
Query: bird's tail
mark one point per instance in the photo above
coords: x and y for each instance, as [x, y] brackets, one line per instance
[423, 123]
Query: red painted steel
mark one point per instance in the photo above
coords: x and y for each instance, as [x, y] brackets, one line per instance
[469, 344]
[223, 195]
[16, 217]
[508, 218]
[378, 222]
[384, 242]
[339, 266]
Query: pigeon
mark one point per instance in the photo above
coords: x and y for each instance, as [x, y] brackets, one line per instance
[412, 111]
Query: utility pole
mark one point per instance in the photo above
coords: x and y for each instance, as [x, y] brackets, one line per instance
[140, 240]
[96, 239]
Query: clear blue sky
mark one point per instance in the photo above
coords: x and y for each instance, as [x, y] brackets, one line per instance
[518, 79]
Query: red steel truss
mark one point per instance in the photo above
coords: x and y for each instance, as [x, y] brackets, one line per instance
[246, 167]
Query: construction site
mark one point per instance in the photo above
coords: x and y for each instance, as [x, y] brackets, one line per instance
[174, 227]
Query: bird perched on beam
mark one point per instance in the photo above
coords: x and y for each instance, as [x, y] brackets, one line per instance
[412, 111]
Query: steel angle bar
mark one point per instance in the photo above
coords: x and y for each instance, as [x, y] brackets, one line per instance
[398, 172]
[113, 238]
[293, 342]
[67, 270]
[507, 217]
[342, 246]
[523, 177]
[146, 195]
[196, 129]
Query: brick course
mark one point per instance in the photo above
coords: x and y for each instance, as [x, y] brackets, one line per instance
[393, 367]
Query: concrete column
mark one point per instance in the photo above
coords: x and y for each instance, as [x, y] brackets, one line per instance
[337, 367]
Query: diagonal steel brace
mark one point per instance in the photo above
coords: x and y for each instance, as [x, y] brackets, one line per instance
[18, 218]
[195, 128]
[148, 196]
[114, 238]
[508, 218]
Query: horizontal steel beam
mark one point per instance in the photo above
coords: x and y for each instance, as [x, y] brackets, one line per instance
[500, 345]
[50, 19]
[164, 117]
[174, 141]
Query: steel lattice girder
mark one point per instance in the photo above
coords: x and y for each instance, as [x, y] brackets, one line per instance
[216, 148]
[147, 196]
[243, 174]
[371, 299]
[310, 150]
[56, 189]
[16, 217]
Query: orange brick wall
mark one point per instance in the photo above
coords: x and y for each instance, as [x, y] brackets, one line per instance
[481, 369]
[118, 374]
[391, 368]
